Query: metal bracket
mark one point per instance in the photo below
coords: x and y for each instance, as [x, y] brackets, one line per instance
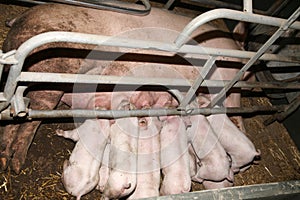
[8, 58]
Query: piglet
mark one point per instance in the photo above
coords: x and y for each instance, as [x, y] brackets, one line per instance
[174, 157]
[81, 172]
[122, 158]
[235, 142]
[148, 176]
[212, 161]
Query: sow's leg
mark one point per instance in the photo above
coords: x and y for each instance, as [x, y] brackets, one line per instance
[16, 139]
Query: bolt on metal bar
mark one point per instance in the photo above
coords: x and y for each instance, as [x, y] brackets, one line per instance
[263, 49]
[247, 5]
[205, 70]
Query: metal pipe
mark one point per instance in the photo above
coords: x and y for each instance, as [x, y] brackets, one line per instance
[169, 4]
[263, 49]
[192, 91]
[113, 114]
[228, 14]
[168, 82]
[247, 6]
[101, 5]
[18, 102]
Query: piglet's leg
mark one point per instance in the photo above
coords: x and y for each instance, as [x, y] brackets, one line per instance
[122, 158]
[148, 176]
[174, 157]
[104, 170]
[217, 185]
[72, 134]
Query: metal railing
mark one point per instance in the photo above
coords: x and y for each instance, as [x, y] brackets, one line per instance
[14, 96]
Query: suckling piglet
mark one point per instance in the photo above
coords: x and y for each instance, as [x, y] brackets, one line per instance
[235, 142]
[174, 157]
[148, 175]
[81, 172]
[122, 158]
[212, 161]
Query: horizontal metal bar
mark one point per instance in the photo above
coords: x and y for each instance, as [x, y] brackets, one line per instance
[98, 79]
[277, 190]
[228, 14]
[200, 50]
[168, 82]
[113, 114]
[101, 5]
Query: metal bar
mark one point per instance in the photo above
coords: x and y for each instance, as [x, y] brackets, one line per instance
[247, 5]
[264, 48]
[221, 4]
[101, 5]
[18, 102]
[200, 50]
[228, 14]
[107, 79]
[278, 190]
[205, 70]
[113, 114]
[169, 4]
[98, 79]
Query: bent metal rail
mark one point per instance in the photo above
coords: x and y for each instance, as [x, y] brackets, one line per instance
[12, 96]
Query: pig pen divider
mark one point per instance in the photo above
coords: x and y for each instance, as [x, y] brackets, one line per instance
[12, 94]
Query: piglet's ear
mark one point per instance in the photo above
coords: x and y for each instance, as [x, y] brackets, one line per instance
[240, 33]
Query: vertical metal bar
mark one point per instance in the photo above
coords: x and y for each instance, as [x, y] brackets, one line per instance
[19, 103]
[169, 4]
[247, 6]
[259, 53]
[206, 69]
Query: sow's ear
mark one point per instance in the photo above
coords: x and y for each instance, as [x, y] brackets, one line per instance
[240, 33]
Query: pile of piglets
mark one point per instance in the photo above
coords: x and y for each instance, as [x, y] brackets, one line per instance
[138, 157]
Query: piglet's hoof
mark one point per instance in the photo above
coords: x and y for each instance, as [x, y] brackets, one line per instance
[4, 162]
[59, 132]
[16, 165]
